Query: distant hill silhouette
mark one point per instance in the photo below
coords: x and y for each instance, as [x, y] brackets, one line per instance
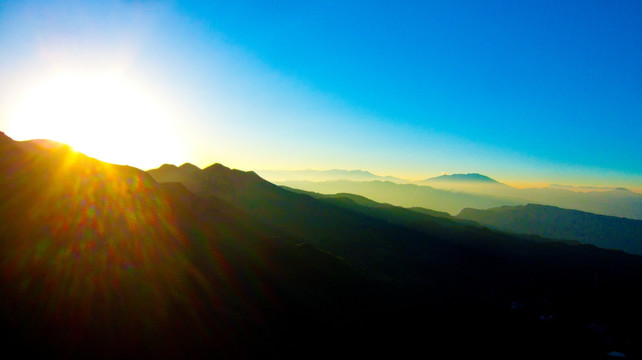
[432, 212]
[417, 218]
[475, 184]
[407, 195]
[552, 222]
[464, 178]
[106, 261]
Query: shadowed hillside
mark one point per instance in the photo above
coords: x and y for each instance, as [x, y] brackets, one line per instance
[101, 261]
[445, 272]
[604, 231]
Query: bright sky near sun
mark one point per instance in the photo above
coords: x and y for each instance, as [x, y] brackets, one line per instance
[522, 91]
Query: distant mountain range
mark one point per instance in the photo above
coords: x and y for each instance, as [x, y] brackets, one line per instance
[361, 175]
[406, 195]
[618, 202]
[452, 193]
[106, 261]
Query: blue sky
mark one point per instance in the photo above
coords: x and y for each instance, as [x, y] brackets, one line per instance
[522, 91]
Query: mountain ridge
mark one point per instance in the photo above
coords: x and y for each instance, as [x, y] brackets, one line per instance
[406, 195]
[465, 178]
[106, 261]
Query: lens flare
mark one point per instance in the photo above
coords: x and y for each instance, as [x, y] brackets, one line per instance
[107, 251]
[102, 114]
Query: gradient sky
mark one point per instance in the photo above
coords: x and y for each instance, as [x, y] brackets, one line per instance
[527, 92]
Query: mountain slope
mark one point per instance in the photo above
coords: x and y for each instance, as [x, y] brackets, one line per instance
[406, 195]
[445, 273]
[335, 229]
[552, 222]
[429, 221]
[102, 261]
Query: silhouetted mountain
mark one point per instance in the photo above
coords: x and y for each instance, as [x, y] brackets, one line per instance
[476, 184]
[334, 229]
[463, 178]
[421, 256]
[552, 222]
[420, 219]
[102, 261]
[99, 260]
[432, 212]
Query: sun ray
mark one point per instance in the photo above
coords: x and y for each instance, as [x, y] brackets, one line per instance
[102, 114]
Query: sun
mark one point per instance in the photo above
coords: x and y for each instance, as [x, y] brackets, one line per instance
[103, 114]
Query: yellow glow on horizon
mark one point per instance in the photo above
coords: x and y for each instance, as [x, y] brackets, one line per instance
[104, 115]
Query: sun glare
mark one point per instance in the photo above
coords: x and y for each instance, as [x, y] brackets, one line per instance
[102, 115]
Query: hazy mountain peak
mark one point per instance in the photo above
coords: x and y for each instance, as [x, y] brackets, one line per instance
[470, 177]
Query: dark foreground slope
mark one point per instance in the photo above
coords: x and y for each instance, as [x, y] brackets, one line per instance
[102, 261]
[552, 222]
